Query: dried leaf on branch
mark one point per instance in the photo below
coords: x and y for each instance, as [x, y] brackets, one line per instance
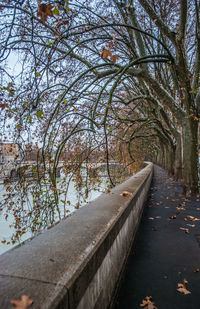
[114, 58]
[44, 10]
[106, 53]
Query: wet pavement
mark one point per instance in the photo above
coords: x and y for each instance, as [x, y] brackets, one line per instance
[166, 255]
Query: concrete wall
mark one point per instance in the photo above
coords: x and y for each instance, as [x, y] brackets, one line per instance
[77, 263]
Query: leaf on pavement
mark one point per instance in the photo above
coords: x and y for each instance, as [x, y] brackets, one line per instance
[191, 218]
[24, 303]
[147, 303]
[172, 217]
[185, 229]
[182, 287]
[191, 225]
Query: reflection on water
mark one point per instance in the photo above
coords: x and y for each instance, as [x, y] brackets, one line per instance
[7, 224]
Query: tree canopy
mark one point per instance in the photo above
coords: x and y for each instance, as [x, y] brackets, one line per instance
[113, 79]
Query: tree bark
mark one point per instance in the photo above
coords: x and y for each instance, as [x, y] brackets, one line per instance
[190, 155]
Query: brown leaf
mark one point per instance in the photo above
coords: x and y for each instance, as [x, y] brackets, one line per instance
[3, 105]
[24, 303]
[183, 290]
[196, 270]
[106, 53]
[172, 217]
[114, 58]
[44, 10]
[182, 287]
[125, 193]
[109, 191]
[147, 303]
[154, 228]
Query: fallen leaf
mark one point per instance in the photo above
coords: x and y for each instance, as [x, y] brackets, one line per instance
[151, 218]
[125, 193]
[158, 217]
[147, 303]
[196, 270]
[185, 229]
[180, 208]
[154, 228]
[191, 218]
[24, 303]
[172, 217]
[191, 225]
[182, 287]
[183, 290]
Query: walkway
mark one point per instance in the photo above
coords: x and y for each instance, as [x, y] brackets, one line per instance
[167, 251]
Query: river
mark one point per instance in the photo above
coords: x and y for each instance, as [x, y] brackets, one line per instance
[7, 225]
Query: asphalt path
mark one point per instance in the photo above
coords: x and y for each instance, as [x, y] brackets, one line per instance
[166, 254]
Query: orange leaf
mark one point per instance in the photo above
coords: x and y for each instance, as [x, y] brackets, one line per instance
[184, 291]
[114, 58]
[125, 193]
[24, 303]
[192, 218]
[106, 53]
[182, 287]
[172, 217]
[147, 303]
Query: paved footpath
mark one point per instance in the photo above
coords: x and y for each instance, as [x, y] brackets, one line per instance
[167, 250]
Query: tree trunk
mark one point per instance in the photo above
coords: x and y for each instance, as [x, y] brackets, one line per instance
[190, 155]
[178, 158]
